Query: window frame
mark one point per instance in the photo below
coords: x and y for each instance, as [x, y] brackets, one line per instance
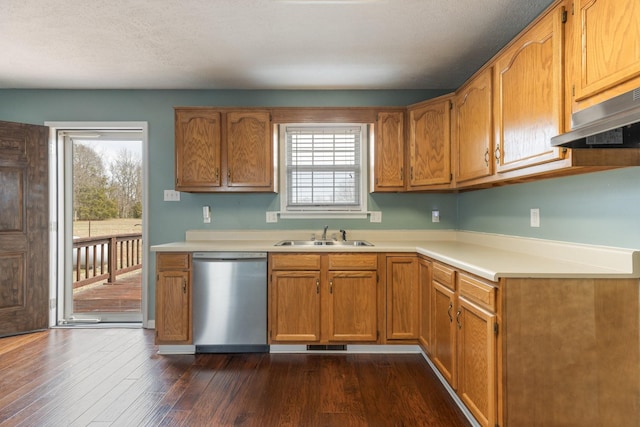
[318, 212]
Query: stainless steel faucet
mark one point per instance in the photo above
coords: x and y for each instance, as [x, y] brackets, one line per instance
[324, 233]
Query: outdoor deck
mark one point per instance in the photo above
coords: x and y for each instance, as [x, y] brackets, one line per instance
[124, 295]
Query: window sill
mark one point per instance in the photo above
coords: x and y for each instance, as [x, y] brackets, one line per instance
[317, 215]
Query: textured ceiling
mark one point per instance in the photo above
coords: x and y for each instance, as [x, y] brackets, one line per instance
[253, 44]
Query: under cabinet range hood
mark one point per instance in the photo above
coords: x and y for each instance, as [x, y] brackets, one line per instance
[614, 123]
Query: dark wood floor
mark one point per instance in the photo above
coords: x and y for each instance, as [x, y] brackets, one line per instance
[113, 377]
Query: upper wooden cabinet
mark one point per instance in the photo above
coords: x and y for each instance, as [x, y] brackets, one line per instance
[473, 128]
[605, 50]
[388, 152]
[528, 96]
[223, 150]
[197, 149]
[429, 143]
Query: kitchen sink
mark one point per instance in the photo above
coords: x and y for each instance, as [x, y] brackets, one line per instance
[323, 243]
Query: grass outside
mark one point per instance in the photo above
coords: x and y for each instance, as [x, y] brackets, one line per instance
[108, 227]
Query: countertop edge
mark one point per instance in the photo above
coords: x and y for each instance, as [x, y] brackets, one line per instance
[489, 261]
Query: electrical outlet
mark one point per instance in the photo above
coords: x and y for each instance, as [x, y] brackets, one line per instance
[435, 216]
[171, 196]
[376, 216]
[272, 216]
[535, 217]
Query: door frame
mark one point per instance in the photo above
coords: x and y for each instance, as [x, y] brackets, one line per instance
[58, 225]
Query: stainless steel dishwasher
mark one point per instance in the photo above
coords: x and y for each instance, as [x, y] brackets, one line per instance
[230, 302]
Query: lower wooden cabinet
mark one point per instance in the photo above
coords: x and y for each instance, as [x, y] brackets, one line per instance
[173, 298]
[476, 351]
[295, 306]
[443, 309]
[464, 338]
[403, 302]
[424, 282]
[323, 298]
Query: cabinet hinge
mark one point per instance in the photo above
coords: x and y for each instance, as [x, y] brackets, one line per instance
[377, 335]
[377, 278]
[573, 90]
[495, 328]
[450, 177]
[573, 11]
[450, 105]
[564, 15]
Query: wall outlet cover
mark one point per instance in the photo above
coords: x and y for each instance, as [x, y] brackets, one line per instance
[535, 217]
[171, 196]
[376, 216]
[272, 216]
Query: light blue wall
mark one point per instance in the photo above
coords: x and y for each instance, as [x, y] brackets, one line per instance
[168, 221]
[601, 208]
[598, 208]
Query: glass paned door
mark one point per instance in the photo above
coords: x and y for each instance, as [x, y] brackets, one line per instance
[103, 226]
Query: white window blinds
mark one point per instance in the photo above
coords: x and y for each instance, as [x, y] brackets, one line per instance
[323, 168]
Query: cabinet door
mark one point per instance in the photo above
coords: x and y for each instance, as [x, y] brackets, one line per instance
[429, 144]
[424, 281]
[352, 306]
[443, 340]
[529, 96]
[295, 306]
[607, 48]
[173, 308]
[249, 150]
[388, 155]
[473, 128]
[403, 302]
[476, 356]
[197, 149]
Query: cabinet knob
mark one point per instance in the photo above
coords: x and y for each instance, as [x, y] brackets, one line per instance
[449, 311]
[486, 157]
[497, 154]
[458, 318]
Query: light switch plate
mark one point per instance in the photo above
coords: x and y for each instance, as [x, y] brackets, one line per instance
[375, 216]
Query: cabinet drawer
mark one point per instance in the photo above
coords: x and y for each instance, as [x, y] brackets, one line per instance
[295, 262]
[474, 290]
[172, 261]
[444, 275]
[353, 261]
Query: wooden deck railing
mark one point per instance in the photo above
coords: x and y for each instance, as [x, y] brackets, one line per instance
[105, 257]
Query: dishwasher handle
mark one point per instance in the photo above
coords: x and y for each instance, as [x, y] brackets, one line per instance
[228, 256]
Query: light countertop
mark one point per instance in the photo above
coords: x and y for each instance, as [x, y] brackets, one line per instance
[489, 256]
